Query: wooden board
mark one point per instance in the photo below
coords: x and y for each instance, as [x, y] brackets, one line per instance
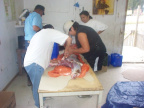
[88, 83]
[7, 99]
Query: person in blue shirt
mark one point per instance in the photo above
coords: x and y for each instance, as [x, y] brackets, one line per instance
[33, 24]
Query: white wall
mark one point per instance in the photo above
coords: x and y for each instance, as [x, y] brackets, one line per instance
[19, 9]
[59, 11]
[8, 39]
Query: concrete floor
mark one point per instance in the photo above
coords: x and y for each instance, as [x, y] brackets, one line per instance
[24, 98]
[133, 54]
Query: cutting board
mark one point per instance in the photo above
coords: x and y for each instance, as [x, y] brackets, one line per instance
[66, 84]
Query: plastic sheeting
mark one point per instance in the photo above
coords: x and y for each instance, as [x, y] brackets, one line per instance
[125, 95]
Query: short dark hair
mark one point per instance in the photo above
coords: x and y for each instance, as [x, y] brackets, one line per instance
[75, 25]
[48, 26]
[40, 7]
[85, 13]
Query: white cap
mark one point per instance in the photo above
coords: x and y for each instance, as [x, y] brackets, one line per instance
[67, 26]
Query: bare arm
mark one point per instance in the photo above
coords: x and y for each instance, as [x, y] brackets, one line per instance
[36, 28]
[67, 46]
[82, 37]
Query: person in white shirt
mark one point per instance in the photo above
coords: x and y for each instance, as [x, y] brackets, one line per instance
[87, 20]
[38, 55]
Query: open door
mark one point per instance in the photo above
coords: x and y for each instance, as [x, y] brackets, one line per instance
[133, 45]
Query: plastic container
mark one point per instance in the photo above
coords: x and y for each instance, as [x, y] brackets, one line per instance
[116, 59]
[55, 52]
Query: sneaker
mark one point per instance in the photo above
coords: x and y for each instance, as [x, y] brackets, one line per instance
[29, 83]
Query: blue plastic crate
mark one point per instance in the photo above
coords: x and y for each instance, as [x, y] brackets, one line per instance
[116, 59]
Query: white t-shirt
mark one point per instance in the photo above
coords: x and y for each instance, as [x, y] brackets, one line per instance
[96, 25]
[41, 45]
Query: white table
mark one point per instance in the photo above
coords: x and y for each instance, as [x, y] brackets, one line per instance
[79, 86]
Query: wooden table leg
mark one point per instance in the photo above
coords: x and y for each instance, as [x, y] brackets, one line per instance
[19, 58]
[19, 61]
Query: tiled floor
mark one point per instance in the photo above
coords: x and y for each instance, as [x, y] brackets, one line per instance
[24, 98]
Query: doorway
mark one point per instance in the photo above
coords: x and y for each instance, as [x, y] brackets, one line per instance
[133, 44]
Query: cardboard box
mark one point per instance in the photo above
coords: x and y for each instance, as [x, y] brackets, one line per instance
[7, 99]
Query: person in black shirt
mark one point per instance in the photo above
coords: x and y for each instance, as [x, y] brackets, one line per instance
[88, 42]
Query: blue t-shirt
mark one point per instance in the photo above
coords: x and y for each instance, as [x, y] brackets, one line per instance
[33, 19]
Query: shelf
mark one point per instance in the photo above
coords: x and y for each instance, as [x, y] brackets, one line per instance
[18, 26]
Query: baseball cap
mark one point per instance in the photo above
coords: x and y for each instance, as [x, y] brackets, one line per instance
[67, 26]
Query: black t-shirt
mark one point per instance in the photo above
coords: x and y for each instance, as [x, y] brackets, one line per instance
[94, 39]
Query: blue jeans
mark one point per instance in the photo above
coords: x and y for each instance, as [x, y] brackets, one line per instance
[35, 72]
[23, 54]
[26, 44]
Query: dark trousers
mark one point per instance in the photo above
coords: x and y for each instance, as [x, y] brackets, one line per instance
[91, 59]
[26, 44]
[103, 61]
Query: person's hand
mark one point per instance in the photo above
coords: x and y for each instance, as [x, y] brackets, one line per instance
[70, 51]
[66, 53]
[54, 61]
[73, 46]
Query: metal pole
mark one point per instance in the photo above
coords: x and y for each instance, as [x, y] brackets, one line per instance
[135, 41]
